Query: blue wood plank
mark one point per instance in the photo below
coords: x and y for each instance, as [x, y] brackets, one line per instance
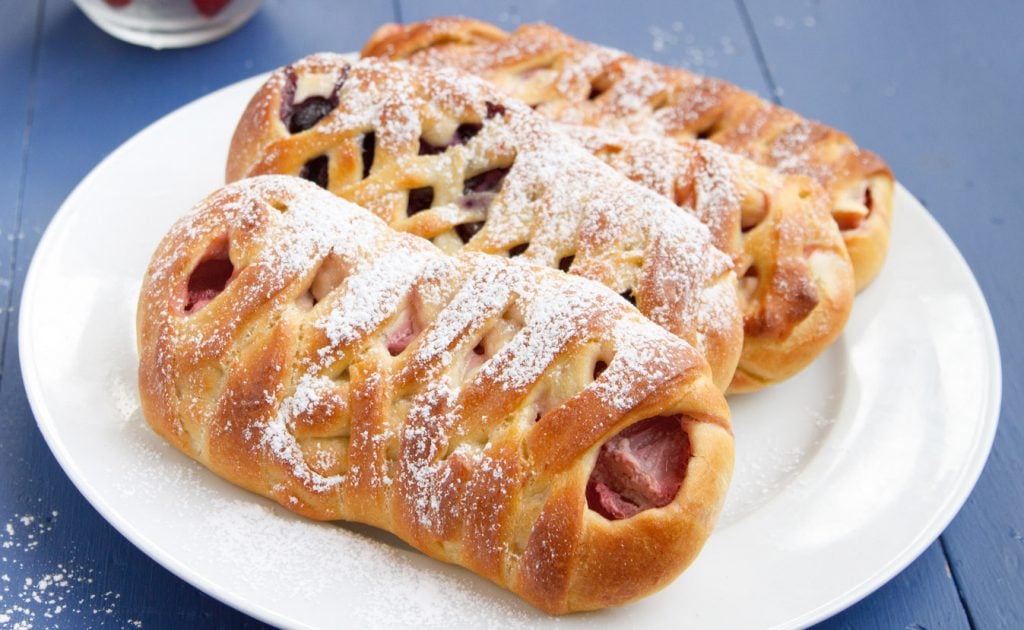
[108, 90]
[92, 94]
[934, 87]
[707, 36]
[18, 35]
[917, 598]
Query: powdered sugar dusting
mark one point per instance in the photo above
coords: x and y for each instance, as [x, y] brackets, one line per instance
[556, 200]
[432, 418]
[488, 290]
[553, 319]
[285, 229]
[386, 585]
[56, 597]
[716, 187]
[371, 298]
[698, 175]
[639, 368]
[641, 97]
[277, 434]
[261, 551]
[793, 152]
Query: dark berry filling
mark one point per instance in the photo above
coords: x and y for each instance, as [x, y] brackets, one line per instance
[467, 231]
[477, 201]
[299, 117]
[315, 171]
[369, 148]
[478, 195]
[494, 109]
[566, 262]
[288, 96]
[488, 181]
[599, 368]
[463, 134]
[427, 148]
[420, 199]
[309, 112]
[517, 250]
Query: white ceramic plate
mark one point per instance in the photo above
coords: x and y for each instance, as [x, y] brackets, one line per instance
[844, 474]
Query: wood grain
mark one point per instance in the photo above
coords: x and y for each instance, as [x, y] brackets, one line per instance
[91, 94]
[18, 33]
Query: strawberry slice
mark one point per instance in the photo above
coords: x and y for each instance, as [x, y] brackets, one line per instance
[209, 8]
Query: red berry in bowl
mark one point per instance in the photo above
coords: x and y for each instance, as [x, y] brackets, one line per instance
[209, 8]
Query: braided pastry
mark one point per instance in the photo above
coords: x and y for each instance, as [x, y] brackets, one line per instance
[796, 281]
[578, 82]
[445, 156]
[525, 424]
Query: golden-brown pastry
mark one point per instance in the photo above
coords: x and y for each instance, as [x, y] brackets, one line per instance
[523, 423]
[445, 156]
[578, 82]
[796, 281]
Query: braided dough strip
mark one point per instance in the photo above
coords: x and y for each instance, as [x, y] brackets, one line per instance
[445, 156]
[796, 280]
[574, 81]
[299, 348]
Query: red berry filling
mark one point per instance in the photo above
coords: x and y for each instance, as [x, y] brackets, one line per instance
[640, 468]
[404, 333]
[208, 280]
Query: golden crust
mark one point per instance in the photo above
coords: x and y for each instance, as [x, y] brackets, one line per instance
[287, 383]
[416, 147]
[796, 280]
[578, 82]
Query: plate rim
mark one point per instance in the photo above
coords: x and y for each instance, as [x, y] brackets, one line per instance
[939, 521]
[45, 423]
[968, 479]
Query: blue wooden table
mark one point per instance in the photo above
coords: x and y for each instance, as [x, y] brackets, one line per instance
[934, 87]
